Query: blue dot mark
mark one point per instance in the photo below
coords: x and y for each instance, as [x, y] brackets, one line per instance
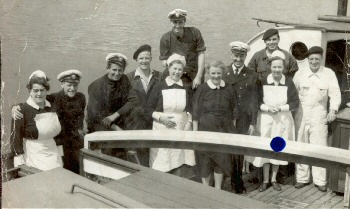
[278, 144]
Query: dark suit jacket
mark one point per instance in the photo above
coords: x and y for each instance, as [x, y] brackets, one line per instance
[245, 85]
[137, 88]
[137, 101]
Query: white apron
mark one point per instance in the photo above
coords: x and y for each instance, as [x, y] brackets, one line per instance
[164, 159]
[271, 125]
[42, 153]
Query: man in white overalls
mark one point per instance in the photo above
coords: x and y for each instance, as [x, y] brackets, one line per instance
[315, 85]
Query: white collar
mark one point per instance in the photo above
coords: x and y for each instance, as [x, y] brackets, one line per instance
[34, 105]
[270, 79]
[309, 73]
[171, 82]
[212, 86]
[138, 72]
[239, 69]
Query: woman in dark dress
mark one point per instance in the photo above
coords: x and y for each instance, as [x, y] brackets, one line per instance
[214, 109]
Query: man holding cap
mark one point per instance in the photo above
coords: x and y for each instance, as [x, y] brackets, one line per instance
[186, 41]
[244, 82]
[69, 105]
[315, 85]
[259, 61]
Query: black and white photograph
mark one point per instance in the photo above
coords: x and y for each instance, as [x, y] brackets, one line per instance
[175, 104]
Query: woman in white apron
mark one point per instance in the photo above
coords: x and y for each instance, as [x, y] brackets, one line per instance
[32, 137]
[278, 96]
[169, 105]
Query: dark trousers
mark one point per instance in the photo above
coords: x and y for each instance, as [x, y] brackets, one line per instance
[242, 126]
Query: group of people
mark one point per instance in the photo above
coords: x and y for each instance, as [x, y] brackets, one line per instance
[257, 99]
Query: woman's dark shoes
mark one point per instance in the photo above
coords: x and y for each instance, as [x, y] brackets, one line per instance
[276, 186]
[263, 187]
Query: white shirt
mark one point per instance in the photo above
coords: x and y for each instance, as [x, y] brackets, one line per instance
[144, 79]
[239, 69]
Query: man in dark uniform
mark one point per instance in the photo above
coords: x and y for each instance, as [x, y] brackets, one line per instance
[107, 96]
[244, 82]
[259, 62]
[185, 41]
[69, 105]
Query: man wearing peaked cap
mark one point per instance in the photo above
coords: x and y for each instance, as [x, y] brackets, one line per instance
[244, 82]
[107, 97]
[69, 105]
[260, 60]
[320, 99]
[186, 41]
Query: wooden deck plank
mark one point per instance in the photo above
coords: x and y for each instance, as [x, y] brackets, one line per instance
[202, 190]
[187, 198]
[307, 194]
[323, 198]
[300, 191]
[287, 191]
[333, 201]
[140, 195]
[339, 204]
[272, 194]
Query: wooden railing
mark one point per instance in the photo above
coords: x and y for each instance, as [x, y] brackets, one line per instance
[328, 157]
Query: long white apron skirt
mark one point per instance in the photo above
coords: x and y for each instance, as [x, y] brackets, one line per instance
[164, 159]
[271, 125]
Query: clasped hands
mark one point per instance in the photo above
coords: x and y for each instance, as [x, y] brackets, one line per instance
[274, 110]
[169, 123]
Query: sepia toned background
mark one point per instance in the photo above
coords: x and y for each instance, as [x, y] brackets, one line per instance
[57, 35]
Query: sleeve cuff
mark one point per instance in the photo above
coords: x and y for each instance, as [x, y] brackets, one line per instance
[156, 115]
[264, 107]
[284, 108]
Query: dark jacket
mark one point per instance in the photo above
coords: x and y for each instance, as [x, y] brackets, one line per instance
[246, 88]
[102, 104]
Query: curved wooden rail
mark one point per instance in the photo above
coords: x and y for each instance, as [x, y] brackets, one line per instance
[328, 157]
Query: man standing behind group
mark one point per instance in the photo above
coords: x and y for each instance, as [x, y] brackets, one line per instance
[244, 82]
[186, 41]
[107, 96]
[259, 62]
[316, 86]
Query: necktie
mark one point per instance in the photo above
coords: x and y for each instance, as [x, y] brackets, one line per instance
[236, 71]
